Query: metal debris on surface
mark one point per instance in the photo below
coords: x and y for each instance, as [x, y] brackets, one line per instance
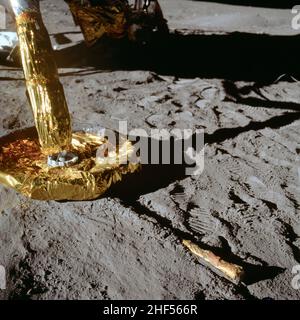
[230, 270]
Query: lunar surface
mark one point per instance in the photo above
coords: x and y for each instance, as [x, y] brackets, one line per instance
[229, 70]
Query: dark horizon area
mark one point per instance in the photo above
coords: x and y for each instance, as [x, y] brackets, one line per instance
[283, 4]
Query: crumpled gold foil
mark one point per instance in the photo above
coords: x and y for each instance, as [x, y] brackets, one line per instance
[95, 21]
[23, 166]
[45, 91]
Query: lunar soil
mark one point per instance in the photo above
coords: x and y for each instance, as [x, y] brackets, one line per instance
[229, 70]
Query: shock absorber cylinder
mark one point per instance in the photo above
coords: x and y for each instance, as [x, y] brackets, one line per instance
[46, 94]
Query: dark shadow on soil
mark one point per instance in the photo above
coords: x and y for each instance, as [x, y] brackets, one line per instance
[259, 273]
[235, 56]
[153, 177]
[253, 273]
[276, 122]
[235, 94]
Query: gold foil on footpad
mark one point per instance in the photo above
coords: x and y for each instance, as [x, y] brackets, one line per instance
[24, 167]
